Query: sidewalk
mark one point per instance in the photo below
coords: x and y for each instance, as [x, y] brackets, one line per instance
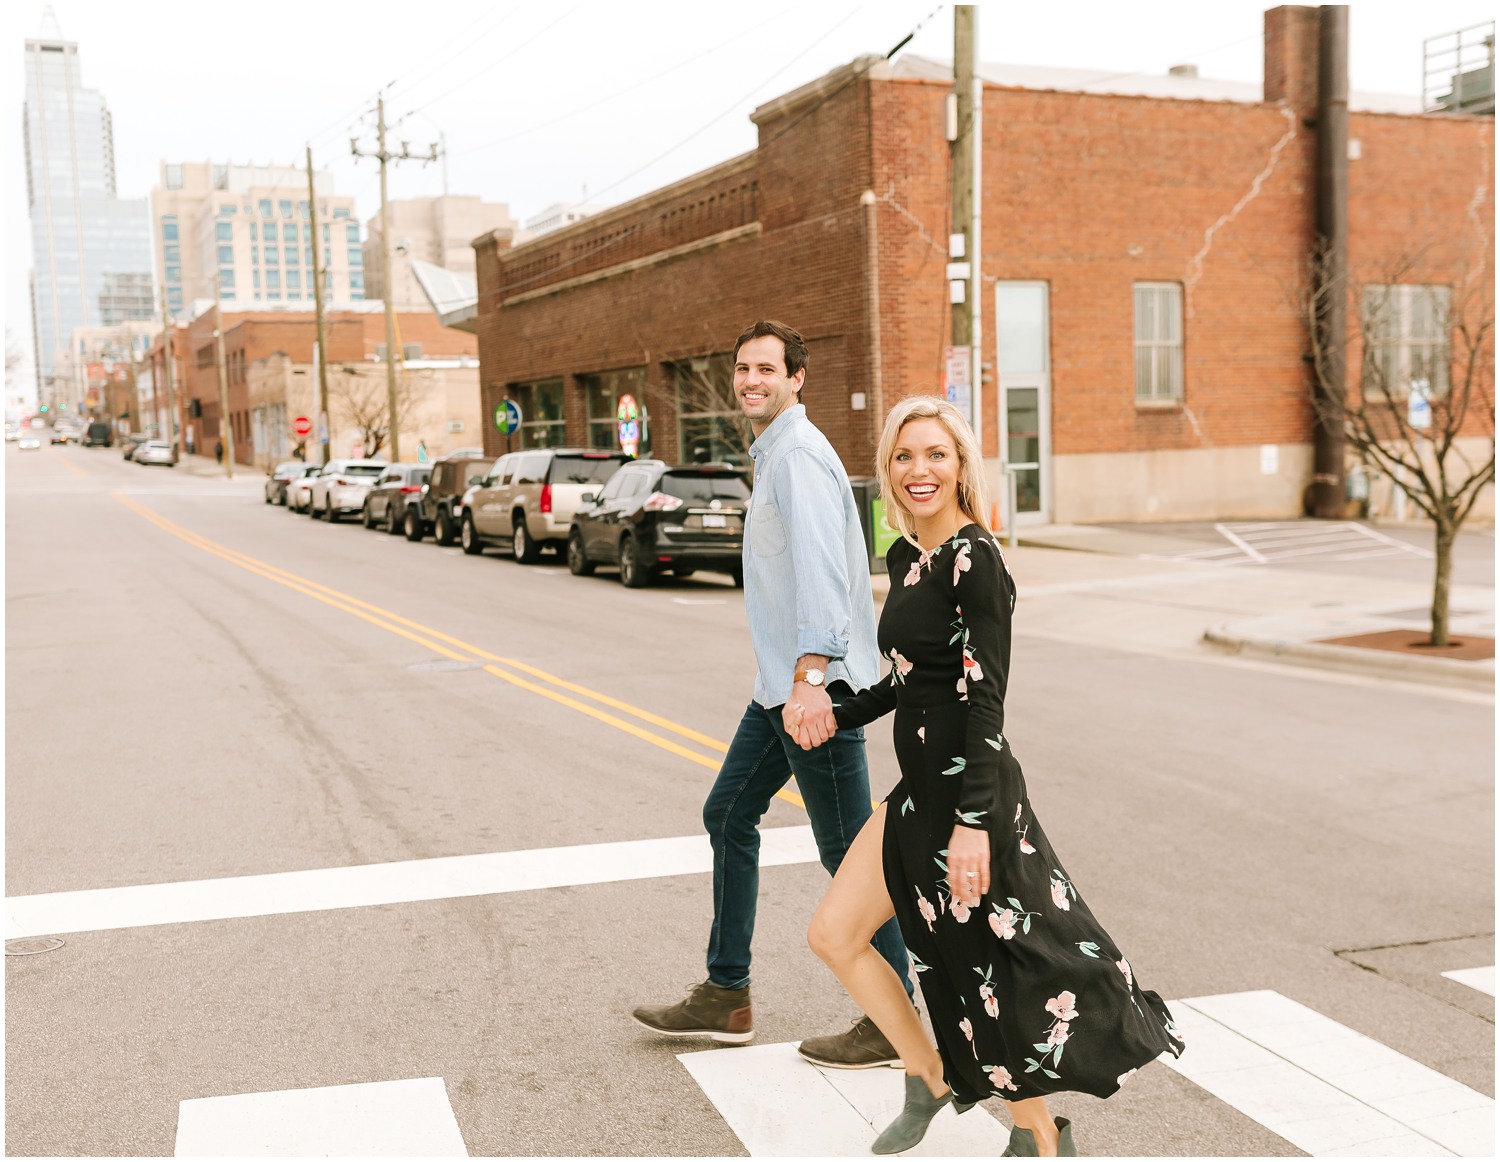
[1110, 587]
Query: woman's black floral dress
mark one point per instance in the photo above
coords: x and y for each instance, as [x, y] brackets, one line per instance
[1027, 993]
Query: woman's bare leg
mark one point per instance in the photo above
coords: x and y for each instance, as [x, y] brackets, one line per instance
[855, 907]
[1032, 1114]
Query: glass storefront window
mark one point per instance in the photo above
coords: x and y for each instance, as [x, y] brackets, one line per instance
[602, 392]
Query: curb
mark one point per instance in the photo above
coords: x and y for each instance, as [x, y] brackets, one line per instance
[1435, 671]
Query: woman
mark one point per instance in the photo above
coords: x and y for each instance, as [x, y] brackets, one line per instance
[1027, 993]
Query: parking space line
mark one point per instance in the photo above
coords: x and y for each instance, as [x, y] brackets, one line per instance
[409, 881]
[412, 1118]
[1240, 544]
[1482, 979]
[430, 638]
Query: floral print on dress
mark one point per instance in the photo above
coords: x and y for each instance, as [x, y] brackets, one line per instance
[999, 1077]
[1005, 920]
[1063, 1012]
[1062, 890]
[900, 667]
[961, 562]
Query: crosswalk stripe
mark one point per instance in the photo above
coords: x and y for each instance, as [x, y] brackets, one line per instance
[1482, 979]
[1323, 1087]
[405, 881]
[781, 1106]
[379, 1119]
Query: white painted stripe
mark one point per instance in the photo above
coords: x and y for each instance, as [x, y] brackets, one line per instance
[378, 1119]
[1404, 546]
[780, 1106]
[1482, 979]
[1240, 544]
[1323, 1087]
[443, 878]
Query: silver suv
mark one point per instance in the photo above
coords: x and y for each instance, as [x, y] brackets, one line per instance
[528, 499]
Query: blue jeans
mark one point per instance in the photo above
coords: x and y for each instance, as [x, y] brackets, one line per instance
[835, 784]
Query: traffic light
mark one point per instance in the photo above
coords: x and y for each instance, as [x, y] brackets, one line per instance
[44, 407]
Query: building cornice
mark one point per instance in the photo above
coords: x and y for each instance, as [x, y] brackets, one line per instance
[874, 67]
[723, 238]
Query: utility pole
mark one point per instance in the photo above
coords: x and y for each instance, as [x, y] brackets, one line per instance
[964, 291]
[1333, 252]
[391, 352]
[226, 430]
[166, 358]
[323, 420]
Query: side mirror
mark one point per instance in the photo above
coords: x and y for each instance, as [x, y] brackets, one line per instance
[587, 498]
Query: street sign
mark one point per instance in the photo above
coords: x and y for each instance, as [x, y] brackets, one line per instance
[957, 386]
[302, 426]
[507, 416]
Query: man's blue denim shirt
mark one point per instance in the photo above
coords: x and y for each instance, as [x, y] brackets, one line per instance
[807, 571]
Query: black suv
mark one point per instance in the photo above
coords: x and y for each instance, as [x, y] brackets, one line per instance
[651, 517]
[435, 509]
[398, 484]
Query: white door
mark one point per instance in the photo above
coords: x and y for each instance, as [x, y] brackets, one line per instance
[1023, 342]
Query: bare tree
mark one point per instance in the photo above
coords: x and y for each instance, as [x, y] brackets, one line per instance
[1425, 385]
[363, 400]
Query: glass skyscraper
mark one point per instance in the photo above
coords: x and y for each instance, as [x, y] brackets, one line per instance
[91, 251]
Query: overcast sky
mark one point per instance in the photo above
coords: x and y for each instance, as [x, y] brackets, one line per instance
[542, 103]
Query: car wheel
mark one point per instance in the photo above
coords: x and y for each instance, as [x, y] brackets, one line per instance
[367, 518]
[634, 572]
[412, 526]
[442, 529]
[578, 564]
[267, 498]
[392, 520]
[522, 546]
[738, 576]
[469, 538]
[331, 514]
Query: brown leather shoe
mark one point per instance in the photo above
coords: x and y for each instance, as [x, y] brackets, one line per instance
[722, 1015]
[861, 1046]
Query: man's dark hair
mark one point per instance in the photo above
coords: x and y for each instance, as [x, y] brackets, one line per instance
[792, 343]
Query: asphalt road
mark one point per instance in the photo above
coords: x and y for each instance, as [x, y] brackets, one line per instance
[203, 687]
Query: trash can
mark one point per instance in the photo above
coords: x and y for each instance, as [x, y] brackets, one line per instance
[879, 535]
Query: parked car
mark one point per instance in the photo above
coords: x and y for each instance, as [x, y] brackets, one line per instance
[274, 489]
[156, 452]
[341, 487]
[528, 499]
[129, 443]
[652, 517]
[60, 435]
[12, 432]
[97, 434]
[438, 507]
[385, 504]
[28, 442]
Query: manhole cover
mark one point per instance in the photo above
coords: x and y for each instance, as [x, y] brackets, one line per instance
[33, 946]
[445, 666]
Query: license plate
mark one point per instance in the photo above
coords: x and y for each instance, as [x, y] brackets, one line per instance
[714, 521]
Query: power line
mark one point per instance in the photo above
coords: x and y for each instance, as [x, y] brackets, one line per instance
[407, 86]
[737, 104]
[431, 101]
[688, 60]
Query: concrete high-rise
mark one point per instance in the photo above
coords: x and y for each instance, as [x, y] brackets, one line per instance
[436, 230]
[91, 250]
[252, 225]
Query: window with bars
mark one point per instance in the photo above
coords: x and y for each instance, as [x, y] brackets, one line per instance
[1407, 345]
[711, 425]
[1158, 342]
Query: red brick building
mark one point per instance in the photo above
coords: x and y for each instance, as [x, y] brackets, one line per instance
[1141, 258]
[355, 336]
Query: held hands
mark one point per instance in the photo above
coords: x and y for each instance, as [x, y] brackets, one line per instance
[808, 716]
[968, 865]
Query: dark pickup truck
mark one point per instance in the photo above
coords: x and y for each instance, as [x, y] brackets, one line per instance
[435, 509]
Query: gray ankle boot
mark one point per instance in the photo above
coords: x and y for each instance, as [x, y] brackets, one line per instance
[1023, 1143]
[911, 1124]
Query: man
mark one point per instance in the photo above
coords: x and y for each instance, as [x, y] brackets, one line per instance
[812, 625]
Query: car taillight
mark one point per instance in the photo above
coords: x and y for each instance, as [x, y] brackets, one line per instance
[546, 502]
[342, 480]
[411, 488]
[661, 502]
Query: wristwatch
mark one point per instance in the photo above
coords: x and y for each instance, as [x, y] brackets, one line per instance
[811, 677]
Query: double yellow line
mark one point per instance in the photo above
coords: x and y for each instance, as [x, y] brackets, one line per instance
[459, 650]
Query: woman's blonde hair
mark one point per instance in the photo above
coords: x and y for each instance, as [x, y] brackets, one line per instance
[971, 493]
